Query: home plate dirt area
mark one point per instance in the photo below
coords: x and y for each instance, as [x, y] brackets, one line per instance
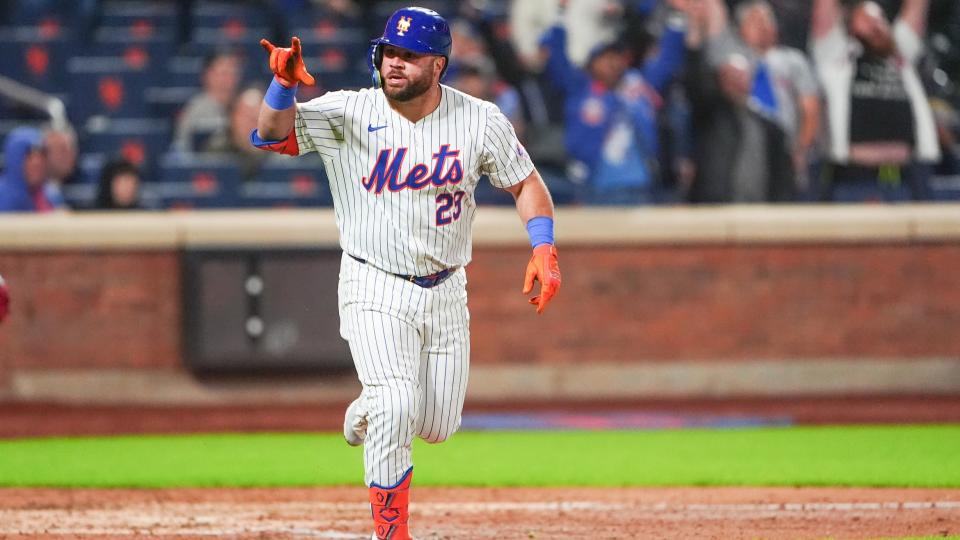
[505, 513]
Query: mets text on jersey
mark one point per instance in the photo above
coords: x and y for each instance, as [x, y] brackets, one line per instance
[386, 172]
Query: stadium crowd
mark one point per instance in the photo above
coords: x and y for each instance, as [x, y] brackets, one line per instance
[620, 102]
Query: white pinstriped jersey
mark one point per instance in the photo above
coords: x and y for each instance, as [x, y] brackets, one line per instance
[403, 191]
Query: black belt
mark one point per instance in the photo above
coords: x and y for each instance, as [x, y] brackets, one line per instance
[426, 282]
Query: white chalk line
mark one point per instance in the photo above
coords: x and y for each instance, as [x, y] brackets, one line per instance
[232, 519]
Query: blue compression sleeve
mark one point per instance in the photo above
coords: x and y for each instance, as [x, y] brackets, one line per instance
[540, 230]
[279, 97]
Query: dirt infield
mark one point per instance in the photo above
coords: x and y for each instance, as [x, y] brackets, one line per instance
[667, 514]
[515, 513]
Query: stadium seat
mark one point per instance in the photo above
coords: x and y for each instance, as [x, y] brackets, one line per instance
[227, 16]
[196, 181]
[140, 140]
[151, 51]
[106, 85]
[183, 70]
[288, 182]
[383, 9]
[140, 17]
[35, 58]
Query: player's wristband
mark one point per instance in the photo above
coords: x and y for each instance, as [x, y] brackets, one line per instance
[540, 230]
[279, 97]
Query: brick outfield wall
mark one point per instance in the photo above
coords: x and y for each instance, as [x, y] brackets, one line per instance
[108, 309]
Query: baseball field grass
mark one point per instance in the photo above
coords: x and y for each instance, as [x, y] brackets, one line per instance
[880, 456]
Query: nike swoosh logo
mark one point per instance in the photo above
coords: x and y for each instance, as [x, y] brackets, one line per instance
[371, 128]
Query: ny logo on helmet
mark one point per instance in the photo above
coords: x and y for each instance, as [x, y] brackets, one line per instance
[403, 25]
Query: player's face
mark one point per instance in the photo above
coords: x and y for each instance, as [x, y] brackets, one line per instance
[406, 74]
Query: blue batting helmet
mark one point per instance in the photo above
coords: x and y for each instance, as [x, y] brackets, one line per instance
[416, 29]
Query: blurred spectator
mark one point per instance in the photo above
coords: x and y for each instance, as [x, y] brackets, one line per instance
[611, 113]
[236, 141]
[24, 173]
[882, 132]
[948, 129]
[740, 154]
[589, 24]
[478, 78]
[119, 187]
[783, 85]
[61, 146]
[529, 20]
[206, 113]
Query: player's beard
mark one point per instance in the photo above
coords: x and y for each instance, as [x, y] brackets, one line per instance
[414, 88]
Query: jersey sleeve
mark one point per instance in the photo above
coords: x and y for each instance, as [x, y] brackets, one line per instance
[319, 124]
[504, 160]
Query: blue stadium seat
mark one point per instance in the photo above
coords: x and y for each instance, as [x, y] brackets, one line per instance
[183, 71]
[167, 102]
[245, 43]
[35, 57]
[225, 15]
[447, 8]
[137, 15]
[140, 140]
[196, 181]
[153, 51]
[288, 182]
[106, 85]
[80, 196]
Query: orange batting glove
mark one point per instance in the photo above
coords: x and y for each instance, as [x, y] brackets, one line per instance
[543, 266]
[287, 63]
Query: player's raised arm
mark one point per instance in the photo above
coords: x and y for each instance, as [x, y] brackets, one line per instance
[278, 110]
[536, 210]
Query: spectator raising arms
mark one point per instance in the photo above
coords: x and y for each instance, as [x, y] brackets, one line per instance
[24, 173]
[882, 132]
[783, 85]
[611, 112]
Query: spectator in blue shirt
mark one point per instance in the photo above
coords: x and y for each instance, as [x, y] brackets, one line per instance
[611, 113]
[25, 172]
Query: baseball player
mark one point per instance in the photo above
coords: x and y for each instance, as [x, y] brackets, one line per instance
[404, 159]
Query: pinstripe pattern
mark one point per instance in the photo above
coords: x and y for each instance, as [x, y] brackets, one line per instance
[397, 231]
[410, 345]
[411, 348]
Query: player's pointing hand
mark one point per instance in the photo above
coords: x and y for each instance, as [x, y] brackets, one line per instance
[287, 63]
[544, 267]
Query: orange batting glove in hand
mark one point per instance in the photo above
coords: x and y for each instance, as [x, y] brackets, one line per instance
[543, 266]
[287, 63]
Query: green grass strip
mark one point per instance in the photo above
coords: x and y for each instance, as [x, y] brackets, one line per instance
[917, 456]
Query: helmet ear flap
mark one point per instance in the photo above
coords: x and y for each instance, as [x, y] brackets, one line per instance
[376, 57]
